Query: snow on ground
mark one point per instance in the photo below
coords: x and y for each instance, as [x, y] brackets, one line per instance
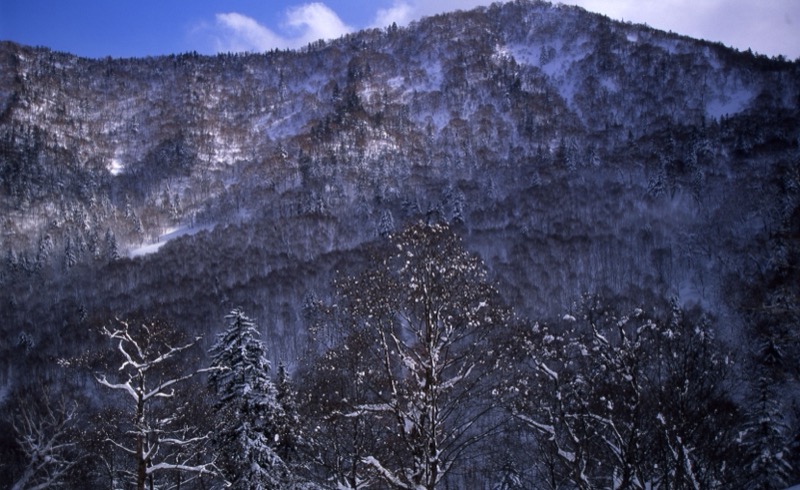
[169, 235]
[435, 77]
[564, 56]
[729, 104]
[116, 167]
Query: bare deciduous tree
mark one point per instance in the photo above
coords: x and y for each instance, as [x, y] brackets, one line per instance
[43, 435]
[427, 317]
[157, 442]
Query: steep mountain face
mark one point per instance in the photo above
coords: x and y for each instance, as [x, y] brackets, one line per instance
[571, 152]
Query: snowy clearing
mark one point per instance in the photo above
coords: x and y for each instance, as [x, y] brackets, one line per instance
[166, 237]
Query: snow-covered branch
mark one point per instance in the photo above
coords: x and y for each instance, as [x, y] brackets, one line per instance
[151, 437]
[387, 474]
[118, 386]
[206, 469]
[369, 408]
[42, 437]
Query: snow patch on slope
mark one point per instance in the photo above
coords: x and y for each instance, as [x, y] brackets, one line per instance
[434, 75]
[115, 167]
[555, 60]
[170, 234]
[729, 103]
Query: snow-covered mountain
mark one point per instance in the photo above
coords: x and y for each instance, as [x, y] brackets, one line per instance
[572, 152]
[596, 167]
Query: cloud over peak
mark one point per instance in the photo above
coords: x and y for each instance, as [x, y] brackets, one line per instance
[741, 23]
[400, 12]
[314, 21]
[234, 32]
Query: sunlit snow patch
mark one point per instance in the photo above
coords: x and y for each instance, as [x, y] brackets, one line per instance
[116, 167]
[169, 235]
[731, 103]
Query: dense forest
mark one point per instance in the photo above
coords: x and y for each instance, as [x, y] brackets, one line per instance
[523, 246]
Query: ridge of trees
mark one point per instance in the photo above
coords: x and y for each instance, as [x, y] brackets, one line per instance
[416, 372]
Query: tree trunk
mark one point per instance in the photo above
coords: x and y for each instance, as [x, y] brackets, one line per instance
[24, 478]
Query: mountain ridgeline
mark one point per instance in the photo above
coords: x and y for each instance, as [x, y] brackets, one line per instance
[570, 152]
[576, 153]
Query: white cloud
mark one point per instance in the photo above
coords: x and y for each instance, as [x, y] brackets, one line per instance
[314, 21]
[234, 32]
[401, 13]
[765, 27]
[769, 27]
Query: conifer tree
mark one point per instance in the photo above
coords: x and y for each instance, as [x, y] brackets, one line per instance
[386, 224]
[111, 249]
[247, 407]
[765, 441]
[287, 434]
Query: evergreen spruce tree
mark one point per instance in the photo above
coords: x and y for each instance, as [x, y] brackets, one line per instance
[386, 224]
[288, 437]
[765, 440]
[247, 407]
[70, 260]
[12, 261]
[457, 214]
[510, 475]
[111, 249]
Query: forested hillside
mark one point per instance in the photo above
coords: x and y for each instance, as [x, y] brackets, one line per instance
[523, 226]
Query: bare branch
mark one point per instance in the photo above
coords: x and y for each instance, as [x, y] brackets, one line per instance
[41, 436]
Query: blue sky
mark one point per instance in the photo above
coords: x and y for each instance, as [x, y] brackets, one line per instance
[123, 28]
